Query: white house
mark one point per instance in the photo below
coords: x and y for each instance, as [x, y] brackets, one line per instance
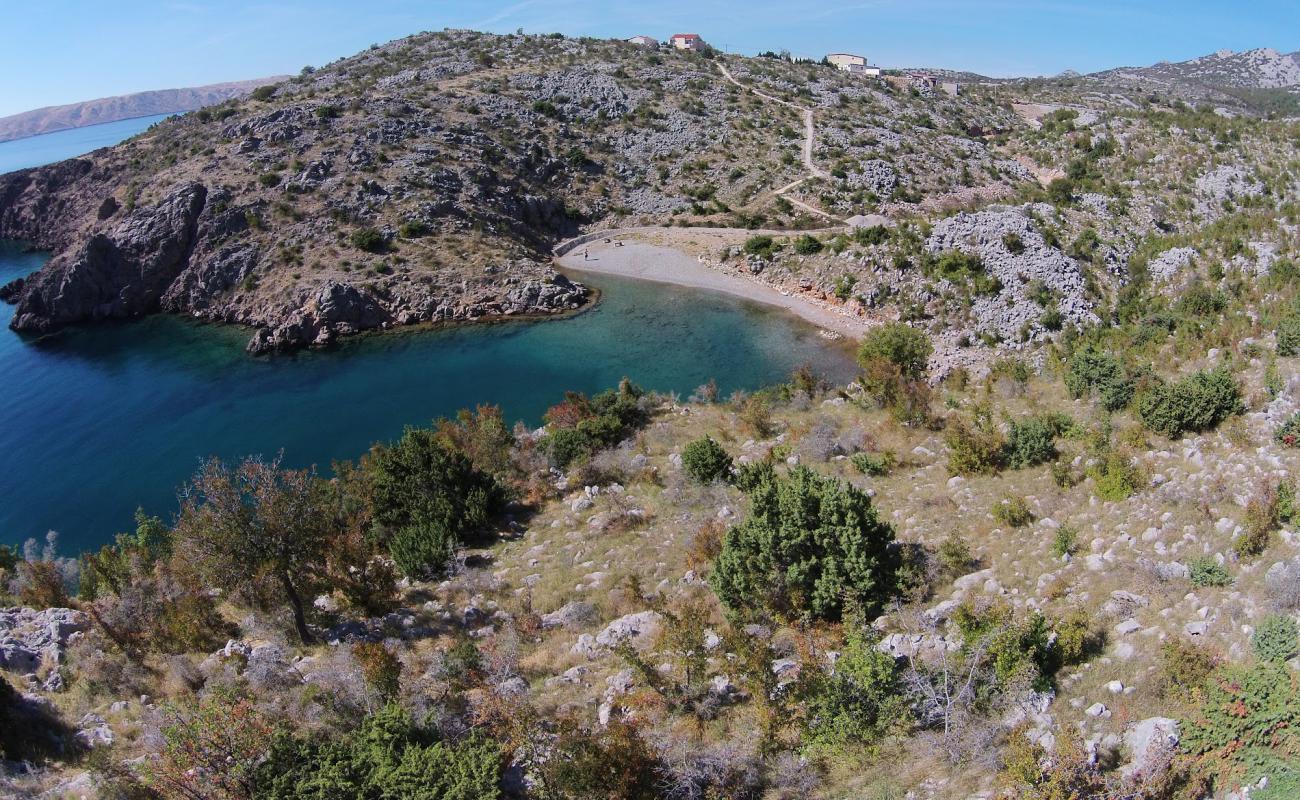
[687, 41]
[848, 62]
[645, 41]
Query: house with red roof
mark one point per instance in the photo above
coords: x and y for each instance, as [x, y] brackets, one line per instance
[687, 41]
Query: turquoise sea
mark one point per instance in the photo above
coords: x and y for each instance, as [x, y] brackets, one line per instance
[47, 148]
[97, 421]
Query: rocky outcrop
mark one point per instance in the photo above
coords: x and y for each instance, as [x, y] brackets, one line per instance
[31, 639]
[117, 274]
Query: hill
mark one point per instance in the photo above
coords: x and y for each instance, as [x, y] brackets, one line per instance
[127, 106]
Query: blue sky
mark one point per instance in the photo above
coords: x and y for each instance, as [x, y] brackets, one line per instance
[60, 51]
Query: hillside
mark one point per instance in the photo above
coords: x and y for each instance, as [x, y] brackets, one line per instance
[427, 179]
[127, 106]
[1045, 546]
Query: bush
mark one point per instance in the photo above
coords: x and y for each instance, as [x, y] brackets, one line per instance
[422, 551]
[1184, 668]
[1031, 442]
[1116, 478]
[1246, 727]
[269, 179]
[810, 545]
[876, 464]
[1288, 336]
[807, 245]
[414, 229]
[759, 246]
[372, 240]
[430, 498]
[861, 701]
[579, 426]
[1275, 638]
[1092, 369]
[955, 556]
[974, 448]
[1012, 511]
[705, 460]
[1196, 403]
[1289, 433]
[1261, 519]
[388, 756]
[1065, 542]
[1207, 571]
[906, 350]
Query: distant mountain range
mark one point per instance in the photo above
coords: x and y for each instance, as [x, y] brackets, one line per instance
[1260, 81]
[127, 106]
[1263, 68]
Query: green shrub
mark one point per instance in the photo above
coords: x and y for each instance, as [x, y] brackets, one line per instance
[1091, 369]
[955, 556]
[1184, 668]
[1116, 478]
[1246, 727]
[904, 348]
[1012, 511]
[894, 359]
[974, 448]
[1288, 336]
[876, 464]
[369, 239]
[579, 426]
[422, 551]
[705, 460]
[810, 545]
[759, 246]
[1065, 542]
[414, 229]
[1275, 638]
[807, 245]
[1031, 442]
[388, 756]
[1201, 301]
[1261, 519]
[1207, 571]
[1196, 403]
[861, 701]
[1289, 433]
[428, 498]
[269, 179]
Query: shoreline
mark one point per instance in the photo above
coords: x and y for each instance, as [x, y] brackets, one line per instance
[661, 264]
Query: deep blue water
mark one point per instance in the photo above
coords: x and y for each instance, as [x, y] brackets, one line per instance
[97, 421]
[47, 148]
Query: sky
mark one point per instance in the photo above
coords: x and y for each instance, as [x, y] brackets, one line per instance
[63, 51]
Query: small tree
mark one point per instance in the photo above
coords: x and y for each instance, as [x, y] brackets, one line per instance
[705, 460]
[427, 498]
[257, 527]
[893, 358]
[810, 544]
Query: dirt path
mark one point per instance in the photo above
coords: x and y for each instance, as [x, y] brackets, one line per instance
[810, 134]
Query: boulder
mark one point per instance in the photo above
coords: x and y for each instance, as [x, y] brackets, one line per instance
[1146, 739]
[573, 614]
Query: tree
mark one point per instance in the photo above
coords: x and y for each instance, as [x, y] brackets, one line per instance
[257, 527]
[428, 498]
[810, 544]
